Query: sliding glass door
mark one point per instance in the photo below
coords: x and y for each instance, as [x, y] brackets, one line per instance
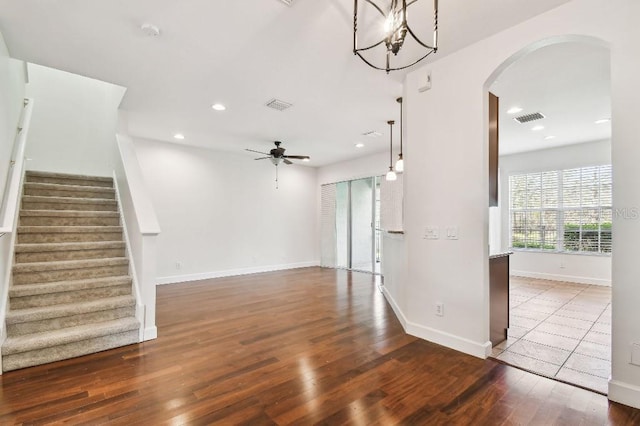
[355, 229]
[362, 224]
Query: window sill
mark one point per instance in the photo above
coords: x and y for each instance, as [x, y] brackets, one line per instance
[571, 253]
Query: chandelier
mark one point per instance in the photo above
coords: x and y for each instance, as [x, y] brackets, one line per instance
[395, 32]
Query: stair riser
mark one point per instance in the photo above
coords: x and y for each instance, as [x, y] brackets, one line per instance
[85, 295]
[69, 350]
[39, 205]
[68, 221]
[68, 181]
[45, 192]
[27, 238]
[69, 321]
[46, 256]
[69, 274]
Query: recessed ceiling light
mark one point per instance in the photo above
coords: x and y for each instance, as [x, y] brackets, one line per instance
[602, 121]
[218, 107]
[514, 110]
[537, 128]
[359, 145]
[546, 138]
[306, 160]
[179, 136]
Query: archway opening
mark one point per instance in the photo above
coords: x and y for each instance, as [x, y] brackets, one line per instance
[555, 208]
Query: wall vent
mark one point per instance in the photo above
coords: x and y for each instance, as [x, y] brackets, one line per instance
[527, 118]
[279, 105]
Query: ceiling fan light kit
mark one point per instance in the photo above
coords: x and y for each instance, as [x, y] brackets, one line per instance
[382, 54]
[277, 156]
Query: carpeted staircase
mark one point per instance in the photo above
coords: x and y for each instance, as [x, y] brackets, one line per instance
[71, 293]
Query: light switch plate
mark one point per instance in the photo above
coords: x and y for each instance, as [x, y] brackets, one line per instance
[431, 233]
[452, 233]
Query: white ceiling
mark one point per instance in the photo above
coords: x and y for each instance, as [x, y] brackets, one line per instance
[569, 83]
[242, 54]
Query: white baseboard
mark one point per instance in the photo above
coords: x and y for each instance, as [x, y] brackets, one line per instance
[460, 344]
[556, 277]
[150, 333]
[233, 272]
[624, 393]
[395, 307]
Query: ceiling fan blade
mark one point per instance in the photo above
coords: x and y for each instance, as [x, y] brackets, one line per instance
[259, 152]
[285, 161]
[296, 157]
[262, 158]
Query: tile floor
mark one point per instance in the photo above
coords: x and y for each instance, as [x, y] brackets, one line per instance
[560, 330]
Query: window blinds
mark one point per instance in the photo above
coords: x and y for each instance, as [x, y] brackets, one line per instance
[328, 226]
[391, 204]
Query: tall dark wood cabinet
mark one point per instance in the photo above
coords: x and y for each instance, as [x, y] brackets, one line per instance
[498, 297]
[493, 150]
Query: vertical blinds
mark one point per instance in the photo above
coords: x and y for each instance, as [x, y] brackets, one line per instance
[328, 226]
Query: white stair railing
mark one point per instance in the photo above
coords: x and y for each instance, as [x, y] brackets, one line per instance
[9, 210]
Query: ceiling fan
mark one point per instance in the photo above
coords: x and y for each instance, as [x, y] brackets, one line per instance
[276, 155]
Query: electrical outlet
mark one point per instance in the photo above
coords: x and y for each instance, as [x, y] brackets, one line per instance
[178, 265]
[635, 354]
[440, 309]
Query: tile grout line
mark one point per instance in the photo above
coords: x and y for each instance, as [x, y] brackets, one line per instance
[593, 322]
[582, 338]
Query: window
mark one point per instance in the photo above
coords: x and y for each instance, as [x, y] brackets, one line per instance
[563, 210]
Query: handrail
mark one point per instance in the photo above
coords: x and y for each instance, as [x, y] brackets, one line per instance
[12, 195]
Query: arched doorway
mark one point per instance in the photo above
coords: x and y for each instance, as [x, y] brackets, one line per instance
[555, 209]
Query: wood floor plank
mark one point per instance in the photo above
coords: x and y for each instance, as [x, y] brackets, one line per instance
[305, 346]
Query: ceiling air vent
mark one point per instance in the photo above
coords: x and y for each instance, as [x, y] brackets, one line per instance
[527, 118]
[287, 2]
[372, 134]
[278, 104]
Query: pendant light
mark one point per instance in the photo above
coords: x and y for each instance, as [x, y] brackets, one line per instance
[400, 162]
[391, 175]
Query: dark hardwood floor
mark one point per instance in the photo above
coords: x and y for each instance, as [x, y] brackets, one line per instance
[295, 347]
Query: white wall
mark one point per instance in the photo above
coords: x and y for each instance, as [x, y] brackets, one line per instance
[446, 179]
[74, 122]
[221, 214]
[12, 94]
[581, 268]
[371, 165]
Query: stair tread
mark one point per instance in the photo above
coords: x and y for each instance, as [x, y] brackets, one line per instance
[23, 290]
[67, 187]
[46, 247]
[68, 213]
[63, 310]
[68, 200]
[69, 264]
[30, 342]
[66, 229]
[34, 173]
